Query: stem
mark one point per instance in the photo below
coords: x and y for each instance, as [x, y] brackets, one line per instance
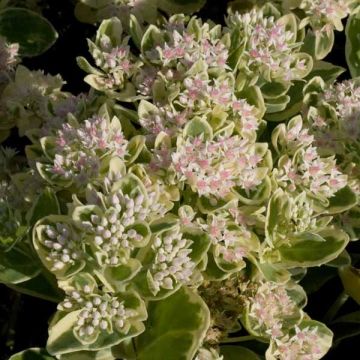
[335, 307]
[238, 339]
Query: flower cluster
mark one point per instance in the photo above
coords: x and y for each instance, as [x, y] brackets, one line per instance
[338, 132]
[269, 307]
[26, 99]
[8, 57]
[269, 48]
[97, 311]
[60, 242]
[215, 167]
[304, 344]
[78, 150]
[116, 229]
[307, 170]
[165, 192]
[172, 263]
[321, 13]
[332, 115]
[117, 63]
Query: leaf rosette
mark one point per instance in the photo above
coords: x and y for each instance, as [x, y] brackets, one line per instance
[89, 318]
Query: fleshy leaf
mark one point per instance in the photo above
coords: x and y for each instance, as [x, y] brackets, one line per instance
[47, 203]
[32, 32]
[32, 354]
[170, 336]
[17, 265]
[238, 352]
[352, 49]
[312, 249]
[350, 278]
[181, 6]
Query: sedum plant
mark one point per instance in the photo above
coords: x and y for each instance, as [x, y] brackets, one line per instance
[178, 206]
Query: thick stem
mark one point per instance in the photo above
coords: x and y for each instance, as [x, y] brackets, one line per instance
[238, 339]
[335, 307]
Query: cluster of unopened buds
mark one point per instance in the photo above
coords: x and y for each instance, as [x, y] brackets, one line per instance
[172, 263]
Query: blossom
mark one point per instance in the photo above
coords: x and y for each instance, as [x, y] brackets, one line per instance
[345, 97]
[308, 171]
[326, 12]
[114, 229]
[215, 167]
[269, 307]
[98, 312]
[304, 345]
[26, 99]
[230, 241]
[63, 245]
[8, 56]
[79, 149]
[172, 264]
[184, 48]
[269, 47]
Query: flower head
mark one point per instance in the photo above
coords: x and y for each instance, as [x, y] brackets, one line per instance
[215, 167]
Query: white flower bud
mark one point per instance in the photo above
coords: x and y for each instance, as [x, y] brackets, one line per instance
[65, 258]
[89, 330]
[96, 301]
[107, 234]
[103, 325]
[98, 240]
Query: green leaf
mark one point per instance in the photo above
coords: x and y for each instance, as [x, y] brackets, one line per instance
[117, 275]
[197, 127]
[62, 338]
[43, 287]
[111, 28]
[312, 249]
[352, 48]
[150, 39]
[327, 71]
[84, 65]
[46, 204]
[181, 6]
[238, 353]
[278, 207]
[135, 145]
[32, 32]
[170, 336]
[104, 354]
[319, 44]
[85, 13]
[275, 89]
[350, 278]
[343, 200]
[277, 104]
[136, 31]
[17, 266]
[32, 354]
[353, 317]
[343, 259]
[273, 273]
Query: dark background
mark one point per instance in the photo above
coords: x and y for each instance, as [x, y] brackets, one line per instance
[24, 319]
